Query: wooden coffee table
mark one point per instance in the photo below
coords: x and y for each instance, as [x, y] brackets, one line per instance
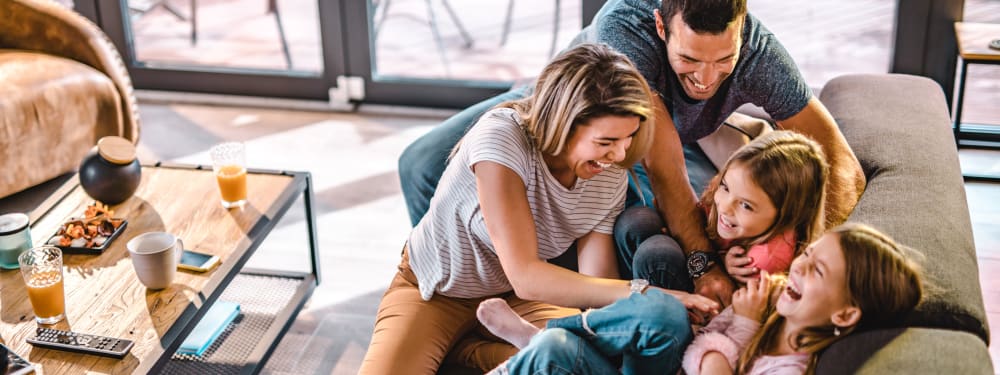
[104, 297]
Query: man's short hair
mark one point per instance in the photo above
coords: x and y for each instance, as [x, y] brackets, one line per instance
[703, 16]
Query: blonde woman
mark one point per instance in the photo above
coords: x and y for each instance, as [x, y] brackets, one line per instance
[530, 179]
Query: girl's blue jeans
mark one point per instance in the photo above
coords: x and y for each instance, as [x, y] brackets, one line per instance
[648, 332]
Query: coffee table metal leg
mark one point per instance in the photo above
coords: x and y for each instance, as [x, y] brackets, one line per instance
[311, 227]
[959, 96]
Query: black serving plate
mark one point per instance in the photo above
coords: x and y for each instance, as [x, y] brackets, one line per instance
[91, 250]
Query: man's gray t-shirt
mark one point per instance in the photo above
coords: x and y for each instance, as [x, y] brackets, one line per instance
[765, 74]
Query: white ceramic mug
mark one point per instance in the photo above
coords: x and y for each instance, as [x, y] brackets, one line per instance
[154, 256]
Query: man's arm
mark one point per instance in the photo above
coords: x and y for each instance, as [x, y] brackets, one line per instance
[847, 180]
[677, 202]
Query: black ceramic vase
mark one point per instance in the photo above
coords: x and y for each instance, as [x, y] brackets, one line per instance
[110, 173]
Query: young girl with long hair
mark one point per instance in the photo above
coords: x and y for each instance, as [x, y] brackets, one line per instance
[761, 208]
[767, 203]
[853, 278]
[532, 178]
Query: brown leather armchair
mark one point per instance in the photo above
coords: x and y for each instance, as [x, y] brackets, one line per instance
[64, 86]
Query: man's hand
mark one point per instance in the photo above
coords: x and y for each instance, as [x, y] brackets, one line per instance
[751, 301]
[738, 265]
[715, 285]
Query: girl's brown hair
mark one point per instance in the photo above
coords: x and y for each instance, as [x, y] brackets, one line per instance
[584, 83]
[881, 281]
[792, 170]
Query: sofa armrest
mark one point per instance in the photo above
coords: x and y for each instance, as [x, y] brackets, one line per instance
[906, 351]
[47, 27]
[900, 130]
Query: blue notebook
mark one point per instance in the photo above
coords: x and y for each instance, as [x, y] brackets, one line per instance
[210, 327]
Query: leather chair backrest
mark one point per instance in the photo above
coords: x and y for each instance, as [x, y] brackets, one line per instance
[47, 27]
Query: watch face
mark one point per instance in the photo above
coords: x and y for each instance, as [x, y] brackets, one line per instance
[697, 262]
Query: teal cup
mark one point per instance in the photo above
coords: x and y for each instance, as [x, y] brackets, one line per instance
[15, 238]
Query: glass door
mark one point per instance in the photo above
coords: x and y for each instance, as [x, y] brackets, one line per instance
[454, 53]
[437, 53]
[272, 48]
[829, 38]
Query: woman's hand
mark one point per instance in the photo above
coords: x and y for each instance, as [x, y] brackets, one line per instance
[751, 301]
[738, 265]
[701, 309]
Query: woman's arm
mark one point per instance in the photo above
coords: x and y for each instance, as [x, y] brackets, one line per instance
[596, 255]
[504, 202]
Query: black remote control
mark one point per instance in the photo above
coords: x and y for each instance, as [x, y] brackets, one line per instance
[80, 342]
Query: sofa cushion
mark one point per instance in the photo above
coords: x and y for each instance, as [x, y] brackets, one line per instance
[899, 128]
[902, 350]
[52, 112]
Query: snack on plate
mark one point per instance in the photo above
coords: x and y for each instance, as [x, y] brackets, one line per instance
[92, 230]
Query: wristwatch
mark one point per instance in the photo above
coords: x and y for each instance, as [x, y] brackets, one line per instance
[638, 285]
[699, 262]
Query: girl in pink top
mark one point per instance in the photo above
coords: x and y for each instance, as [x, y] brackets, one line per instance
[766, 202]
[853, 277]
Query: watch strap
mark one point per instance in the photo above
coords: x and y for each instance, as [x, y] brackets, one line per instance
[638, 286]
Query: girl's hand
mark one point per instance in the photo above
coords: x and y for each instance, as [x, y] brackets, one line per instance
[701, 309]
[738, 265]
[751, 302]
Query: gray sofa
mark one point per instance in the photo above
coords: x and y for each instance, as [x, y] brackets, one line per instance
[899, 128]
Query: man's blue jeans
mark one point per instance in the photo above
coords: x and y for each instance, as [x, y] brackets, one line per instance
[423, 162]
[649, 332]
[644, 252]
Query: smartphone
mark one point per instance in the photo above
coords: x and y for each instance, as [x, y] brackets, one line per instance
[13, 364]
[195, 261]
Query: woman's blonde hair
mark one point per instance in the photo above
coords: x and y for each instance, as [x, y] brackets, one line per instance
[881, 281]
[581, 84]
[792, 170]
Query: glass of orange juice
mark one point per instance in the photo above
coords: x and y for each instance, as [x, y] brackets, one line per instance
[43, 276]
[229, 164]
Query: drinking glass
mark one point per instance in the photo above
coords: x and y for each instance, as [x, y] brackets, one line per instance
[229, 164]
[43, 276]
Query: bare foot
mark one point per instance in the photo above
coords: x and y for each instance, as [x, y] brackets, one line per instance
[497, 316]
